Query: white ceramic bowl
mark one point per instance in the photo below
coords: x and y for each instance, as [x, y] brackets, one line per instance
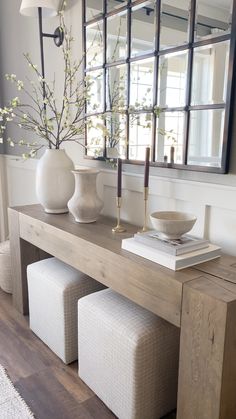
[172, 224]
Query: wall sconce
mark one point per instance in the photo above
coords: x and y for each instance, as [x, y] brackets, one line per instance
[43, 8]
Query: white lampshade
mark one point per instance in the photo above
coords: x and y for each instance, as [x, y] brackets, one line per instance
[50, 8]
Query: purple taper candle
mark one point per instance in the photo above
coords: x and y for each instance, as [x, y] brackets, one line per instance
[119, 177]
[146, 168]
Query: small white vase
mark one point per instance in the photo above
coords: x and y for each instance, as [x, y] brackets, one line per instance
[85, 205]
[112, 153]
[54, 181]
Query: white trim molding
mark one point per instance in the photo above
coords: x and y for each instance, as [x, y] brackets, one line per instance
[3, 201]
[20, 180]
[213, 204]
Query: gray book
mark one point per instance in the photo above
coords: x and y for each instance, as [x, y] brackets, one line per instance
[178, 247]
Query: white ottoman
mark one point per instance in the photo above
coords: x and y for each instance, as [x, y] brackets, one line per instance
[127, 356]
[5, 267]
[54, 289]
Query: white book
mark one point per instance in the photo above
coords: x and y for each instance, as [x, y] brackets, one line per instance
[175, 247]
[170, 261]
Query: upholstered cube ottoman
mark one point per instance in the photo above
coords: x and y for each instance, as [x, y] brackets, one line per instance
[54, 290]
[127, 356]
[5, 267]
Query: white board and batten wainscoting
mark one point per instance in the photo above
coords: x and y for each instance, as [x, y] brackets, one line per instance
[213, 204]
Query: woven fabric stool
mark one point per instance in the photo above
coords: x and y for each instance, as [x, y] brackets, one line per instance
[54, 290]
[5, 267]
[127, 356]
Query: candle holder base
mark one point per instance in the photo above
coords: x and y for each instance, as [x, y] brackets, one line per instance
[145, 197]
[118, 229]
[144, 230]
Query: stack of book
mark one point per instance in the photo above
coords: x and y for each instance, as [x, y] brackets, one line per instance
[174, 254]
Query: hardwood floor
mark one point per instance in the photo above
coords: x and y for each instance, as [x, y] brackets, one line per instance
[51, 389]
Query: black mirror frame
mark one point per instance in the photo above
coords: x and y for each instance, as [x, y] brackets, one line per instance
[228, 106]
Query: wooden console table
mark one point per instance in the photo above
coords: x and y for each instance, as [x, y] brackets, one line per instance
[201, 300]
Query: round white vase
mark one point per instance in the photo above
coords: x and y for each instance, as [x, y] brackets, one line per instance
[85, 205]
[54, 181]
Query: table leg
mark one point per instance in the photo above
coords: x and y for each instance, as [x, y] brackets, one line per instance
[207, 371]
[22, 254]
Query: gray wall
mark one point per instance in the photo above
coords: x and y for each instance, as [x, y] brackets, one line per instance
[19, 34]
[22, 38]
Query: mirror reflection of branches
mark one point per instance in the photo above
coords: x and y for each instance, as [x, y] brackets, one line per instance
[161, 78]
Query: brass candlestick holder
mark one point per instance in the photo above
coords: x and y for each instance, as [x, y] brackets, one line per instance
[119, 228]
[145, 197]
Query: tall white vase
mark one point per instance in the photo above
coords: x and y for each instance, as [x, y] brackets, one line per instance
[85, 204]
[54, 181]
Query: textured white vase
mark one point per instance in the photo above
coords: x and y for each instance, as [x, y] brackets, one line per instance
[85, 205]
[54, 181]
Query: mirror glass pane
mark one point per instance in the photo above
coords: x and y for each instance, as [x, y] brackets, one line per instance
[115, 4]
[172, 80]
[116, 142]
[210, 71]
[174, 23]
[116, 37]
[93, 8]
[143, 19]
[140, 135]
[141, 83]
[170, 133]
[94, 45]
[94, 80]
[213, 18]
[206, 137]
[116, 91]
[95, 136]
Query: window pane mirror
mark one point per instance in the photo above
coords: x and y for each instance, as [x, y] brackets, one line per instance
[160, 75]
[93, 9]
[174, 23]
[212, 18]
[116, 45]
[143, 40]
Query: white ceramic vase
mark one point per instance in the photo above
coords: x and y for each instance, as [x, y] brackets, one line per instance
[112, 153]
[85, 205]
[54, 181]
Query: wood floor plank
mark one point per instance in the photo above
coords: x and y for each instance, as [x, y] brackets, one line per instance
[94, 408]
[19, 360]
[69, 379]
[48, 398]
